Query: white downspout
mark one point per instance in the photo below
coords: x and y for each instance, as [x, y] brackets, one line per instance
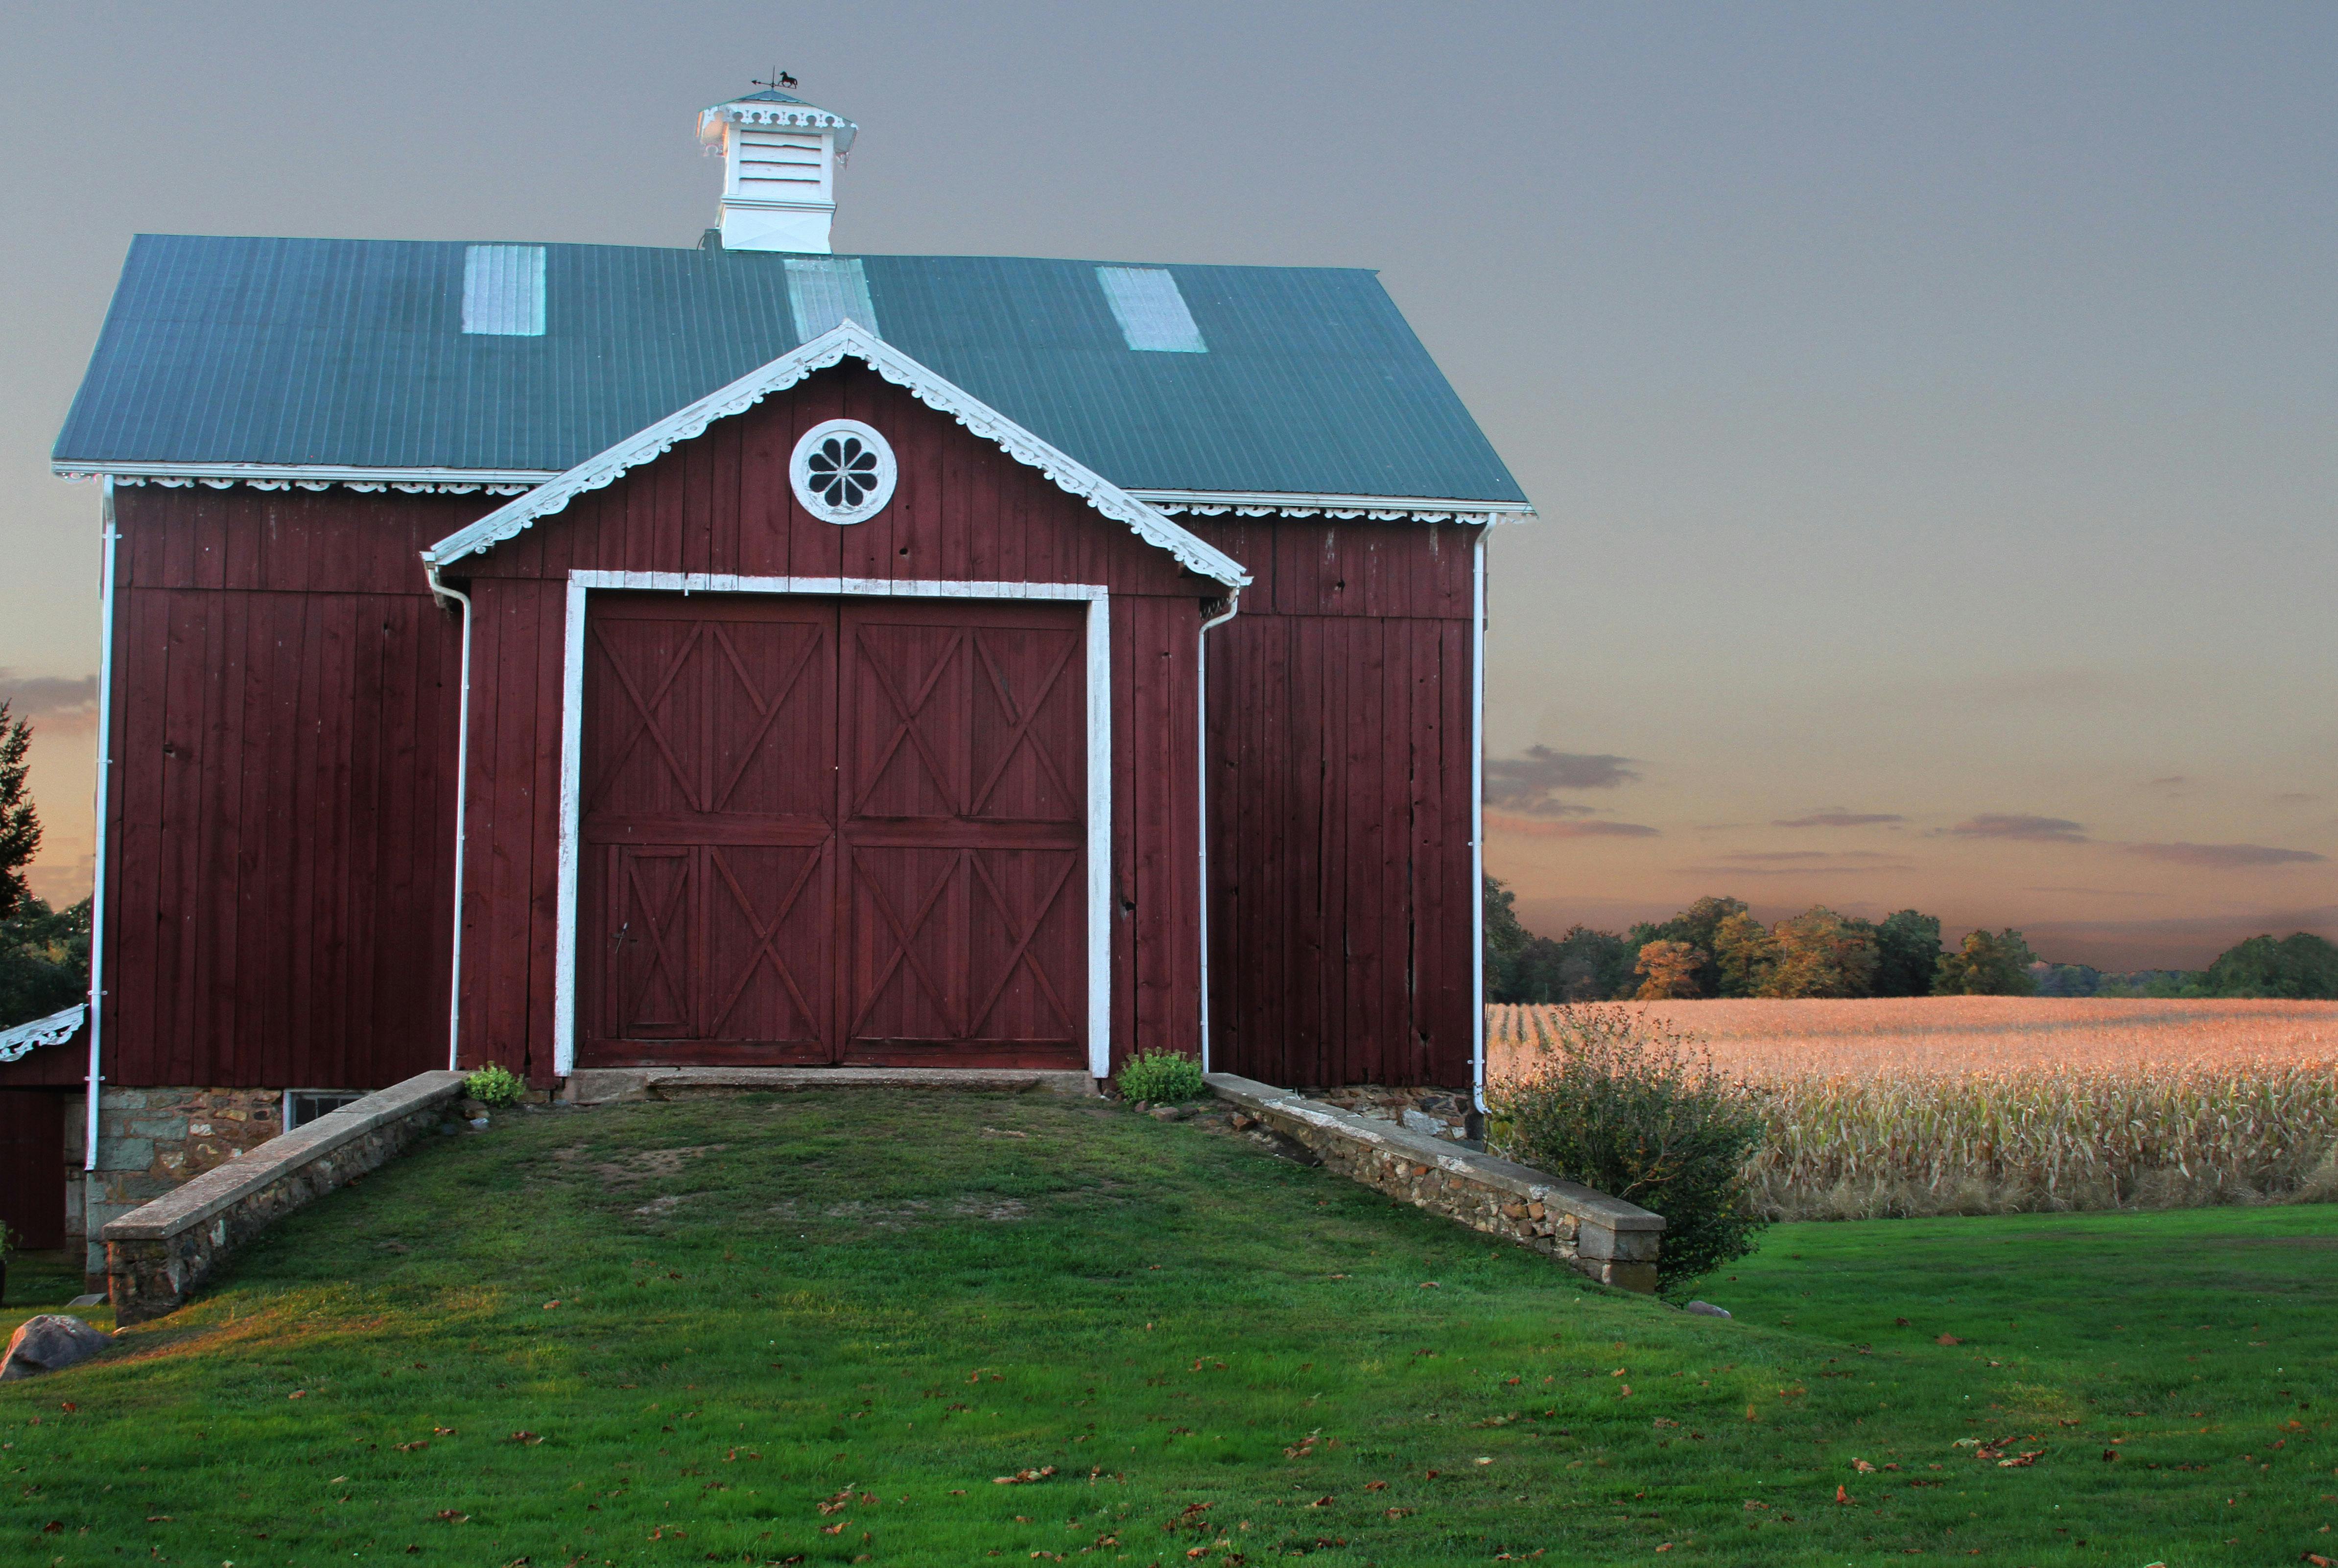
[1202, 745]
[1478, 820]
[108, 534]
[462, 797]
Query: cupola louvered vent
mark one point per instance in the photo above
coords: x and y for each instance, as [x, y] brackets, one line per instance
[774, 161]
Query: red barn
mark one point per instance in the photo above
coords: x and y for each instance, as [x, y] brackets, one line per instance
[581, 657]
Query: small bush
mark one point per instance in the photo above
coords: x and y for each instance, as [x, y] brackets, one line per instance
[1163, 1077]
[1630, 1109]
[495, 1086]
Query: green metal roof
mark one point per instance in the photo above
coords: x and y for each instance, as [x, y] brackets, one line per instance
[355, 354]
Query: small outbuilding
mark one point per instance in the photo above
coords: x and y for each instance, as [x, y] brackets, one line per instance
[574, 656]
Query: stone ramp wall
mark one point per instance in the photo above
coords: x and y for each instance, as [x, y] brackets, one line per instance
[159, 1255]
[1613, 1242]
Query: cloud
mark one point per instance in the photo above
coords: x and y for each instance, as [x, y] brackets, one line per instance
[1838, 818]
[1528, 783]
[49, 698]
[1759, 855]
[2224, 857]
[2295, 797]
[2030, 830]
[1544, 828]
[1796, 870]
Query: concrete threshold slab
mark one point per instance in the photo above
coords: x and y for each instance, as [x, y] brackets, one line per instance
[602, 1085]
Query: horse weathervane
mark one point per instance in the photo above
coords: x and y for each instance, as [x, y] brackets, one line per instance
[781, 79]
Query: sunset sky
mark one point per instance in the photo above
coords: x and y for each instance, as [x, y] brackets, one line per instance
[1930, 409]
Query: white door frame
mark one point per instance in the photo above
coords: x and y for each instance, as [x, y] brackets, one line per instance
[1099, 758]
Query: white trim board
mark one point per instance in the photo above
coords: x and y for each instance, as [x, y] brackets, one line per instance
[1372, 508]
[831, 348]
[581, 583]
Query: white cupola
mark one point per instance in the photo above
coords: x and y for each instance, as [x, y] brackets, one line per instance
[780, 158]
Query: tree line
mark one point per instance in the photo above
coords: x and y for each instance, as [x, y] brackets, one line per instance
[1717, 948]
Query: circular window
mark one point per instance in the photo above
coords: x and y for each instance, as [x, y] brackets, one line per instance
[843, 472]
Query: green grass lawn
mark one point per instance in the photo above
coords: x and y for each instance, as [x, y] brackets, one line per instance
[818, 1329]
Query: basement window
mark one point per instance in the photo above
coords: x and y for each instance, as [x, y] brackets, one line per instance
[1152, 313]
[503, 291]
[302, 1106]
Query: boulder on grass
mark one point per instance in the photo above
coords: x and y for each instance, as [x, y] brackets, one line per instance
[48, 1342]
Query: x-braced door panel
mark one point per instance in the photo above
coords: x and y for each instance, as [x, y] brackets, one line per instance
[708, 821]
[963, 781]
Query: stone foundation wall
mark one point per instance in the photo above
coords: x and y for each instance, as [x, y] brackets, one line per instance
[1613, 1242]
[149, 1142]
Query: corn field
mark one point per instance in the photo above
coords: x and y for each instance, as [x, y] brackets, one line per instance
[1967, 1105]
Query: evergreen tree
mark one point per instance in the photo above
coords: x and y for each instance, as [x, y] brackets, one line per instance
[20, 825]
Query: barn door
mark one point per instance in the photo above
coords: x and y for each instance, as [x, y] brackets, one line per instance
[815, 832]
[707, 832]
[963, 787]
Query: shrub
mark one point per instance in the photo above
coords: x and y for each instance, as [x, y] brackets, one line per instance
[1630, 1108]
[1163, 1077]
[495, 1086]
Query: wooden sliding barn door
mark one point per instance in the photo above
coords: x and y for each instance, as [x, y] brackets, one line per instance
[708, 831]
[815, 831]
[963, 811]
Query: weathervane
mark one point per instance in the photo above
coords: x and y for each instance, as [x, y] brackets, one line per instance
[781, 79]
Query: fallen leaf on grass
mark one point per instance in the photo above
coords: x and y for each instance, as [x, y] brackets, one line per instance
[418, 1444]
[1023, 1477]
[1947, 1339]
[835, 1529]
[1841, 1496]
[451, 1517]
[528, 1438]
[442, 1431]
[157, 1519]
[68, 1407]
[1862, 1466]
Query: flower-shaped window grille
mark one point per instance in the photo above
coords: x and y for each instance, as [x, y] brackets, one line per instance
[844, 471]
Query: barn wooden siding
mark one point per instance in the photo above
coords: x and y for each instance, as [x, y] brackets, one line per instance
[282, 802]
[1341, 727]
[720, 503]
[280, 806]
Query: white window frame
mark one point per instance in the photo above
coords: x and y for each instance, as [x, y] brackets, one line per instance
[582, 584]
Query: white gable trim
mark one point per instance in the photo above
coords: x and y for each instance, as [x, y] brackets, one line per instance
[1373, 508]
[829, 349]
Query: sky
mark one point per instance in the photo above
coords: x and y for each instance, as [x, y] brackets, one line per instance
[1928, 408]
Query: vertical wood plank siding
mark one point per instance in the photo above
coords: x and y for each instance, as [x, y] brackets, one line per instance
[1340, 733]
[282, 802]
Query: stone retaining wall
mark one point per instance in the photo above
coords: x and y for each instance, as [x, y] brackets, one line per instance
[1613, 1242]
[159, 1255]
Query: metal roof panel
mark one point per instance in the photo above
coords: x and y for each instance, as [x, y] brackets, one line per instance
[352, 353]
